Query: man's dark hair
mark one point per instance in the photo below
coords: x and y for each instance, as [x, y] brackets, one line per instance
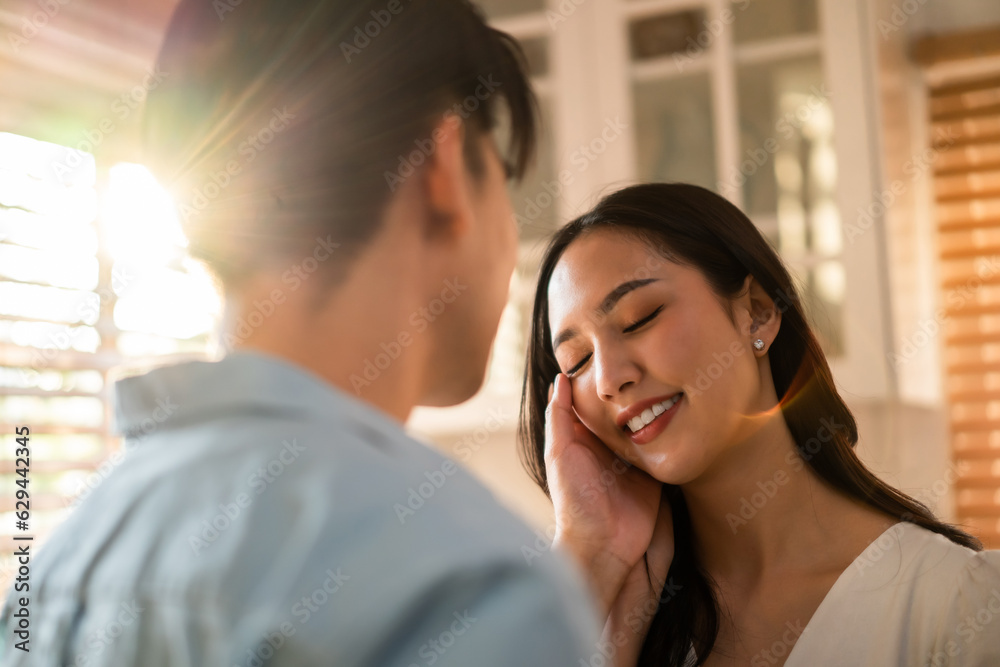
[280, 121]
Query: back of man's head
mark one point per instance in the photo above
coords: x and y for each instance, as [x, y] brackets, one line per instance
[280, 120]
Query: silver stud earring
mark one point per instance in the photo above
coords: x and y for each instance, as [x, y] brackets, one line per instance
[758, 344]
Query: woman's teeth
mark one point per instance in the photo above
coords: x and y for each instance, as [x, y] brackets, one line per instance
[651, 413]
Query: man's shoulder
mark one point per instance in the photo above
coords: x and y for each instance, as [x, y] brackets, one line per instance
[410, 496]
[331, 525]
[387, 508]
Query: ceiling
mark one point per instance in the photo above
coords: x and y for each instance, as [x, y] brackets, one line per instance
[73, 71]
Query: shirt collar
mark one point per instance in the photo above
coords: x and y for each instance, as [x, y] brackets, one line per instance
[244, 381]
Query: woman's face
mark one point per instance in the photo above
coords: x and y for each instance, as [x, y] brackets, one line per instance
[659, 371]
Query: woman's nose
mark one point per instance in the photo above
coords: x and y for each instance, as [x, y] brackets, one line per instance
[615, 372]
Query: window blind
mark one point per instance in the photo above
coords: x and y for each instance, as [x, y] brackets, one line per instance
[965, 118]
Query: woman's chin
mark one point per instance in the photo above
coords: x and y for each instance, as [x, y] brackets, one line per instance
[669, 467]
[665, 460]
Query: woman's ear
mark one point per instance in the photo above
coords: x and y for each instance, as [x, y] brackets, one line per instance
[764, 317]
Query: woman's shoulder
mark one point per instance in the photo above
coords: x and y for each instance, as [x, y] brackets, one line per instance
[905, 551]
[921, 570]
[959, 588]
[914, 597]
[934, 558]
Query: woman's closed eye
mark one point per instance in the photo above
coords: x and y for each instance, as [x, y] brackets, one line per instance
[649, 318]
[629, 329]
[571, 372]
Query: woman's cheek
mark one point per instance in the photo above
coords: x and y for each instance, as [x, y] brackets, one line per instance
[593, 425]
[592, 416]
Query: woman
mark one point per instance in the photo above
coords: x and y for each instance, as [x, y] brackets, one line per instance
[743, 529]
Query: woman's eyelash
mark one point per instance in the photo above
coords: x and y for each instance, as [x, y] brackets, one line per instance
[577, 367]
[628, 329]
[636, 325]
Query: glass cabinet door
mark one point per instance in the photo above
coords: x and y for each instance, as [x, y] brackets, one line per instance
[745, 80]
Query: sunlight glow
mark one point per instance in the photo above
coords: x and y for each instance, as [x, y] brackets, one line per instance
[140, 219]
[161, 291]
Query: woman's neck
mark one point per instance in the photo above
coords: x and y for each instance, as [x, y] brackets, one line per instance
[762, 510]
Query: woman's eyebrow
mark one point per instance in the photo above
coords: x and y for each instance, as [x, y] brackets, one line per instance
[615, 295]
[607, 305]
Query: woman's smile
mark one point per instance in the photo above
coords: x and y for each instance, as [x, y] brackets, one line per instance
[645, 420]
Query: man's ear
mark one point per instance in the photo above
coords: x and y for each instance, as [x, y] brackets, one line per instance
[446, 180]
[764, 319]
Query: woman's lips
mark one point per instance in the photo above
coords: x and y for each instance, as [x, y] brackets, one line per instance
[656, 427]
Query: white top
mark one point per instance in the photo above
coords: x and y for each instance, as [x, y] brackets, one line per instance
[913, 597]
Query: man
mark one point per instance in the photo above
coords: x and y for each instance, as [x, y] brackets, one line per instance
[334, 166]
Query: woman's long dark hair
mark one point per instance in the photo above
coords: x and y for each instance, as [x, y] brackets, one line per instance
[701, 229]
